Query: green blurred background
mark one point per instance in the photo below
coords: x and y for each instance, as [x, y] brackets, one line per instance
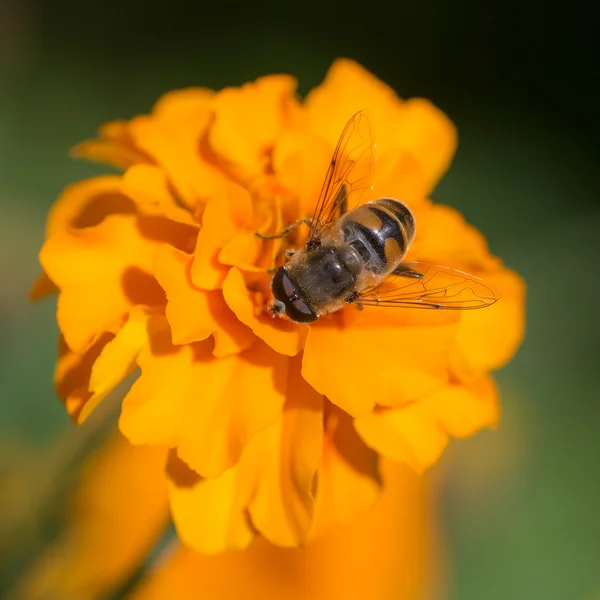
[519, 506]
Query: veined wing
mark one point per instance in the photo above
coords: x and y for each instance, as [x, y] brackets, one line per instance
[429, 286]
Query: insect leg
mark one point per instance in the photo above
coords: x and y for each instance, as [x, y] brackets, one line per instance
[285, 231]
[406, 271]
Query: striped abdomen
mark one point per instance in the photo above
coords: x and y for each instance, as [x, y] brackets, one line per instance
[381, 232]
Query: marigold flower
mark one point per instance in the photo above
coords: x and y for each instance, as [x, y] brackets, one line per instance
[119, 509]
[273, 427]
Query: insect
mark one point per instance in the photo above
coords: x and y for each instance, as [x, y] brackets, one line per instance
[355, 256]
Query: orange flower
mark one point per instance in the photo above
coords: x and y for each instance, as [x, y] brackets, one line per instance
[273, 427]
[119, 511]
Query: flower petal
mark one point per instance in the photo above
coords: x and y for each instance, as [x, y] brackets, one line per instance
[173, 138]
[113, 146]
[116, 360]
[282, 507]
[248, 120]
[148, 187]
[414, 126]
[359, 367]
[207, 407]
[389, 553]
[349, 482]
[489, 338]
[284, 337]
[210, 514]
[348, 88]
[87, 203]
[222, 219]
[118, 511]
[417, 433]
[104, 271]
[42, 287]
[300, 161]
[445, 238]
[73, 371]
[195, 314]
[427, 133]
[180, 108]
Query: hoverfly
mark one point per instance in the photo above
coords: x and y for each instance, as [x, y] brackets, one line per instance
[356, 256]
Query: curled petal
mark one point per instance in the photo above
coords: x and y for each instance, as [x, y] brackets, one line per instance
[210, 514]
[223, 218]
[104, 271]
[357, 368]
[388, 553]
[417, 433]
[84, 380]
[248, 120]
[283, 336]
[207, 407]
[73, 371]
[173, 138]
[42, 287]
[87, 203]
[114, 146]
[348, 481]
[148, 187]
[116, 360]
[282, 508]
[195, 314]
[273, 482]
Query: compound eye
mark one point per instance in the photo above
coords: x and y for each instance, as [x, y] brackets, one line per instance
[286, 293]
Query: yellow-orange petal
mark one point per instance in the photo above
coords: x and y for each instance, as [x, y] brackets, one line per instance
[176, 145]
[73, 371]
[118, 511]
[284, 337]
[104, 271]
[116, 360]
[248, 120]
[348, 88]
[208, 408]
[195, 314]
[210, 514]
[113, 146]
[282, 507]
[42, 287]
[300, 161]
[183, 107]
[445, 238]
[87, 203]
[348, 481]
[380, 364]
[415, 126]
[426, 133]
[245, 251]
[417, 433]
[222, 219]
[489, 338]
[148, 187]
[388, 554]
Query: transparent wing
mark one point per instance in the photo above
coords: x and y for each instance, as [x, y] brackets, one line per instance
[429, 286]
[349, 173]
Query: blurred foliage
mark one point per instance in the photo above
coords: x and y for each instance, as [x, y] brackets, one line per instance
[520, 504]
